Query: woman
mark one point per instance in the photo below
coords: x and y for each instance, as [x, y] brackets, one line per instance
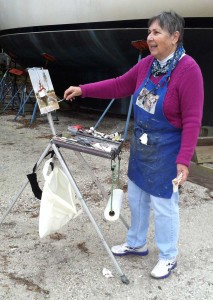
[168, 101]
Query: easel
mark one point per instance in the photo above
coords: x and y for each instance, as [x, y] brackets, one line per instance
[48, 58]
[54, 145]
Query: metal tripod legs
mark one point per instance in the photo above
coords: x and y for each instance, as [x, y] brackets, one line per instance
[23, 187]
[123, 277]
[63, 164]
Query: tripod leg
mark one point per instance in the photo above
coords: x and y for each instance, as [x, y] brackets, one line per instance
[85, 164]
[13, 202]
[23, 104]
[24, 186]
[104, 113]
[124, 222]
[101, 188]
[124, 279]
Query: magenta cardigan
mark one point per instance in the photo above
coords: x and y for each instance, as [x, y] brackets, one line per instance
[183, 104]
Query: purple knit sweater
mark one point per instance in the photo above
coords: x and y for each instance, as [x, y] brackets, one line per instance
[183, 104]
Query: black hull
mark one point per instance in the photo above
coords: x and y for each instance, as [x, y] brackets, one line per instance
[91, 52]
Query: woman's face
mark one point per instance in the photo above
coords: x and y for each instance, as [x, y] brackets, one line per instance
[161, 43]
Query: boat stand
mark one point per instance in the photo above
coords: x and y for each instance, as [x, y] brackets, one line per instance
[141, 46]
[54, 145]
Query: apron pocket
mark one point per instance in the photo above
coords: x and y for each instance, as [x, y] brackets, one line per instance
[144, 154]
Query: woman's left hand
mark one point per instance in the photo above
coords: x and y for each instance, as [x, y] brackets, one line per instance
[184, 170]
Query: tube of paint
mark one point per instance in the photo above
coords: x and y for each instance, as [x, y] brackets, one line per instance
[113, 208]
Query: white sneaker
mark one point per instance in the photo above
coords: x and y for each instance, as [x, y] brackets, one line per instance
[124, 249]
[163, 268]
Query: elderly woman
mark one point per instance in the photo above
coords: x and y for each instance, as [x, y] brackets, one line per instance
[168, 101]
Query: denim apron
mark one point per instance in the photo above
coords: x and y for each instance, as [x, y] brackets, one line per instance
[152, 164]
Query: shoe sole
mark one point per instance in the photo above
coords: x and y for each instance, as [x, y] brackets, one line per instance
[167, 275]
[132, 253]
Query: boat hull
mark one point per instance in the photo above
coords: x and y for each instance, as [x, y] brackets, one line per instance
[91, 40]
[102, 52]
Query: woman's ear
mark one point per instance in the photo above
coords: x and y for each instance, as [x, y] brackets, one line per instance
[176, 36]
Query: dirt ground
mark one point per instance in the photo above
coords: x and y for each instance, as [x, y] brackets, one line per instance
[69, 263]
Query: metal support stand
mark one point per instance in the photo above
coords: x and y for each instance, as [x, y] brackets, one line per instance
[11, 88]
[5, 87]
[65, 168]
[25, 98]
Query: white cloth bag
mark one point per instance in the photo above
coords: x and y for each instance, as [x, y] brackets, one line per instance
[58, 201]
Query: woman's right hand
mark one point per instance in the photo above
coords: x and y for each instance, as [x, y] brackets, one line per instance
[72, 92]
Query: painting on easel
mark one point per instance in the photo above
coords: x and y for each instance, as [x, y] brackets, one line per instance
[44, 91]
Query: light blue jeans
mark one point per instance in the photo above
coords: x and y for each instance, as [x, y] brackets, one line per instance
[166, 220]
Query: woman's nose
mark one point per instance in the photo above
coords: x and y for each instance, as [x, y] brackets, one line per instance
[149, 37]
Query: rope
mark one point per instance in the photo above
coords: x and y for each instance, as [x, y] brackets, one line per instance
[119, 168]
[113, 166]
[112, 187]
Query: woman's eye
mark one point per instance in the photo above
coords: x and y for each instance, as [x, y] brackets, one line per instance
[154, 32]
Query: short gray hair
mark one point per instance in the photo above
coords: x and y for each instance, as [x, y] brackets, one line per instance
[171, 22]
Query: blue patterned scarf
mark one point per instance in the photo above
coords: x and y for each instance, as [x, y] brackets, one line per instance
[158, 70]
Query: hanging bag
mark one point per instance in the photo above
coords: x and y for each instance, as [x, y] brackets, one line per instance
[32, 177]
[58, 201]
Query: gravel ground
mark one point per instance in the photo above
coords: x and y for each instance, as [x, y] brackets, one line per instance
[69, 263]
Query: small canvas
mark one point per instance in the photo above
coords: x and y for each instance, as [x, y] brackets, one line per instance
[44, 91]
